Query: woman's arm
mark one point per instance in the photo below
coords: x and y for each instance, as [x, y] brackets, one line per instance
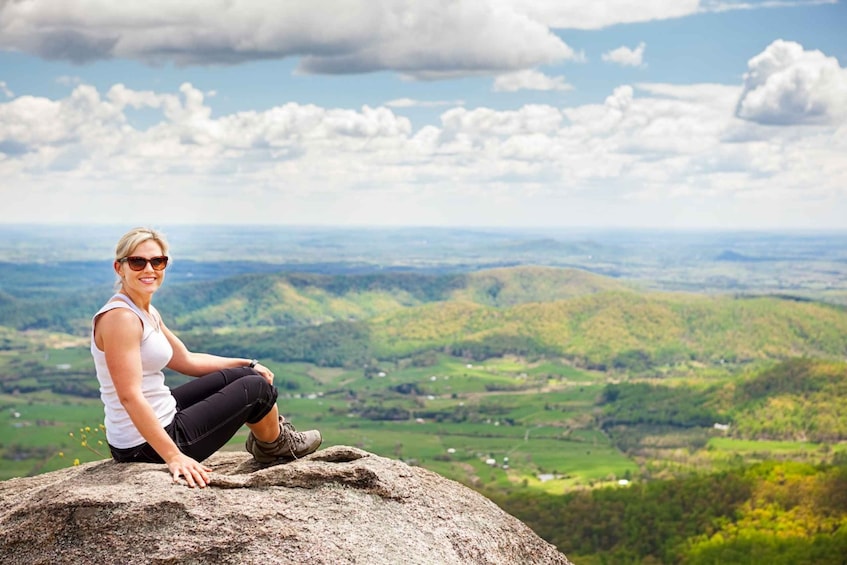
[119, 332]
[199, 364]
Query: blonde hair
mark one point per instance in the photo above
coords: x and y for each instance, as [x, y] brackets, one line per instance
[135, 237]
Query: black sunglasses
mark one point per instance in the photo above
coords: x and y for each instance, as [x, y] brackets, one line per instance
[138, 263]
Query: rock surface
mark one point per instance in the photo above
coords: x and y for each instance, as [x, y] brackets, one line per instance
[338, 505]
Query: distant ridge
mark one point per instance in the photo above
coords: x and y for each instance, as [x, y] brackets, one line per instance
[551, 245]
[521, 285]
[735, 257]
[592, 321]
[290, 299]
[624, 329]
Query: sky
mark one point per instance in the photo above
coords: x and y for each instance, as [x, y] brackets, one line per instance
[666, 114]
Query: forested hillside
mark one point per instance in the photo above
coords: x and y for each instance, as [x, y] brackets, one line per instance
[624, 330]
[774, 513]
[593, 321]
[617, 330]
[800, 399]
[304, 299]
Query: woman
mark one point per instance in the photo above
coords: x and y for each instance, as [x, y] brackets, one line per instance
[148, 422]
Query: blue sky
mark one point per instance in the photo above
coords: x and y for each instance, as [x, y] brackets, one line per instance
[661, 113]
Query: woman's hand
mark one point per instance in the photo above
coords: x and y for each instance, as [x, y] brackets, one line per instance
[196, 474]
[265, 372]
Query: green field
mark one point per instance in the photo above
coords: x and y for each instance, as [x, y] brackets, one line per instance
[506, 410]
[502, 423]
[729, 449]
[35, 433]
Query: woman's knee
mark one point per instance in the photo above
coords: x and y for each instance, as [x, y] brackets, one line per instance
[260, 394]
[236, 373]
[257, 382]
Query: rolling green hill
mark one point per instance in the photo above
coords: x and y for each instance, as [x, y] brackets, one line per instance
[592, 321]
[522, 285]
[299, 299]
[305, 299]
[626, 330]
[773, 411]
[800, 399]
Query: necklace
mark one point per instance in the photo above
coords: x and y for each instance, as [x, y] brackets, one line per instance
[153, 320]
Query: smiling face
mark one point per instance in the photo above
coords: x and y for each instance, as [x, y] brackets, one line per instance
[140, 285]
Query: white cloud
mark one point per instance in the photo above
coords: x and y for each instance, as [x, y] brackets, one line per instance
[4, 89]
[650, 154]
[487, 123]
[626, 57]
[418, 39]
[35, 124]
[785, 84]
[529, 80]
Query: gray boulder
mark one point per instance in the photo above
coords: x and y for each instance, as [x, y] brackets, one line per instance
[338, 505]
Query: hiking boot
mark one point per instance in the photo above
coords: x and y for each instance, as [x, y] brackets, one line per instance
[290, 444]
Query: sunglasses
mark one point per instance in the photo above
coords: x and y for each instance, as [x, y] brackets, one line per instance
[138, 263]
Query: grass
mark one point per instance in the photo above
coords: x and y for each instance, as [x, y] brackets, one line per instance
[35, 433]
[75, 357]
[722, 450]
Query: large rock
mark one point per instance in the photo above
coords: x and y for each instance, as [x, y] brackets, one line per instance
[339, 505]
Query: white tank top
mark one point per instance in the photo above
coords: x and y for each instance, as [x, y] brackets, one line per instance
[156, 353]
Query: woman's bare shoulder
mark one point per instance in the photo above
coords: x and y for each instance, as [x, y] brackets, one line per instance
[118, 317]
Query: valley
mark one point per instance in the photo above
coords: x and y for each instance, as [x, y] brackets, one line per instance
[512, 363]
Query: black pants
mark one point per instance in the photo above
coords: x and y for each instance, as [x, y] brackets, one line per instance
[210, 410]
